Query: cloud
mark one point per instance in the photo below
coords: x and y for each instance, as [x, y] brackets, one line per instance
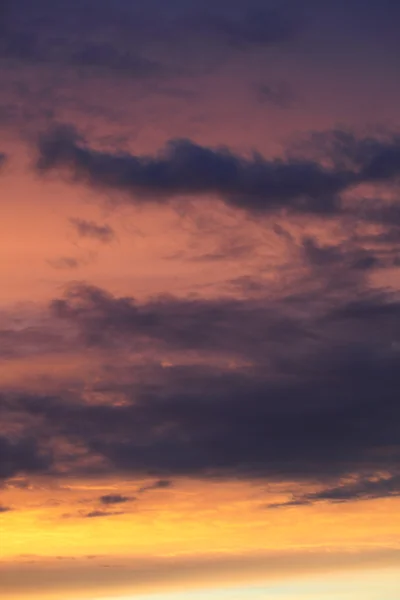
[325, 375]
[248, 28]
[89, 229]
[363, 489]
[30, 339]
[311, 396]
[332, 414]
[220, 325]
[161, 484]
[253, 430]
[4, 509]
[4, 11]
[29, 49]
[256, 185]
[65, 262]
[48, 36]
[344, 256]
[312, 380]
[108, 56]
[141, 40]
[21, 455]
[380, 160]
[373, 309]
[374, 159]
[114, 499]
[186, 168]
[94, 514]
[289, 503]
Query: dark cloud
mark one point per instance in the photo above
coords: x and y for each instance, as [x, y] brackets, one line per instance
[363, 489]
[107, 56]
[161, 484]
[378, 159]
[4, 509]
[89, 229]
[21, 46]
[46, 34]
[375, 159]
[314, 396]
[372, 310]
[114, 499]
[343, 256]
[257, 429]
[248, 28]
[21, 455]
[4, 10]
[29, 340]
[318, 399]
[289, 503]
[29, 49]
[100, 513]
[184, 167]
[250, 328]
[64, 262]
[129, 39]
[148, 38]
[221, 325]
[334, 413]
[366, 489]
[321, 256]
[257, 184]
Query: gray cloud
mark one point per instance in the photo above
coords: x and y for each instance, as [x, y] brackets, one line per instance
[363, 489]
[89, 229]
[256, 185]
[314, 380]
[346, 256]
[94, 514]
[64, 262]
[108, 56]
[325, 411]
[221, 325]
[253, 26]
[46, 34]
[114, 499]
[161, 484]
[29, 340]
[184, 167]
[314, 396]
[123, 38]
[21, 455]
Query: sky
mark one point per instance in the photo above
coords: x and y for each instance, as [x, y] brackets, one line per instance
[199, 300]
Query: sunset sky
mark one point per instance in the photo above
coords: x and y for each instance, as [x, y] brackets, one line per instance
[199, 300]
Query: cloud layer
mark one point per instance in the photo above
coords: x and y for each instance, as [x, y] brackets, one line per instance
[315, 399]
[256, 185]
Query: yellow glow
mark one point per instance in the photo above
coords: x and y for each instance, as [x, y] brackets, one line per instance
[190, 517]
